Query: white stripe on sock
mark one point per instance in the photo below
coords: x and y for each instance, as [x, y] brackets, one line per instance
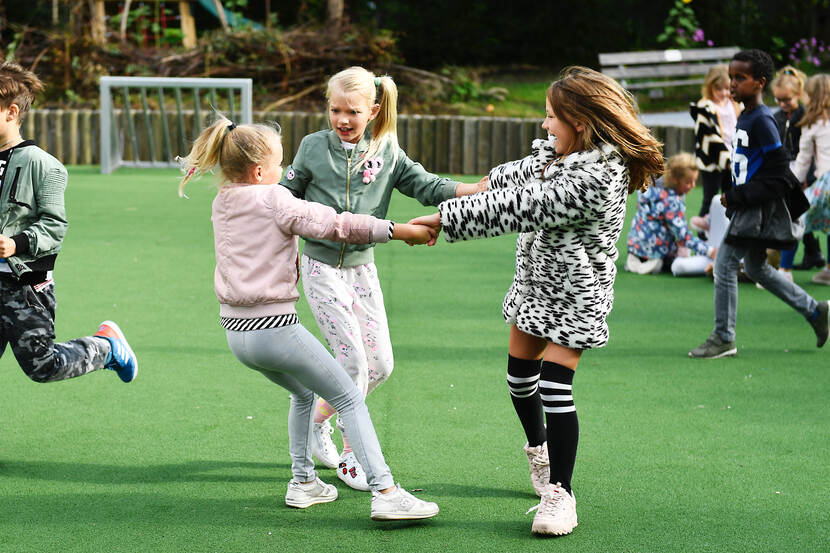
[566, 409]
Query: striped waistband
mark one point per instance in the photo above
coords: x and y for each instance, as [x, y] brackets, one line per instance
[258, 323]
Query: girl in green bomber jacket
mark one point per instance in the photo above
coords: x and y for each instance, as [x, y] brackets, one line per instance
[32, 226]
[349, 171]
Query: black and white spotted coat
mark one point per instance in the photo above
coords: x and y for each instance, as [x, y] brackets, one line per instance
[569, 215]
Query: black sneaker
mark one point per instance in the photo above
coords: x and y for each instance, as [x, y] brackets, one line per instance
[810, 262]
[821, 325]
[714, 348]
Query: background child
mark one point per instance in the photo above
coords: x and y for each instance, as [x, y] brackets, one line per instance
[567, 199]
[349, 170]
[659, 238]
[788, 90]
[815, 149]
[760, 173]
[715, 116]
[33, 224]
[255, 225]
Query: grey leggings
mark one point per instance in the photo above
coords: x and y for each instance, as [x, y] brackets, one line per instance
[293, 358]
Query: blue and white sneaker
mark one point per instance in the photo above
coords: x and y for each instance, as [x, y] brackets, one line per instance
[121, 358]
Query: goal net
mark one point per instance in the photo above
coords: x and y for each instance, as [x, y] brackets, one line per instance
[148, 121]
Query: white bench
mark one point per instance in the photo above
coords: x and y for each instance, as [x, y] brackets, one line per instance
[657, 69]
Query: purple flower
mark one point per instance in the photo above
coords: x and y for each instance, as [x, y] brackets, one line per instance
[710, 43]
[813, 41]
[698, 36]
[804, 41]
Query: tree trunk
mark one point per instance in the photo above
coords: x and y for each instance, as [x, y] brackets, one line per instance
[335, 11]
[220, 10]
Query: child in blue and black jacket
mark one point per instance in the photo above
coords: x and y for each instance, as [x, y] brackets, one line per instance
[760, 173]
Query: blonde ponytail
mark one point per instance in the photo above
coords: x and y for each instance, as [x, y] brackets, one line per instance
[235, 149]
[385, 131]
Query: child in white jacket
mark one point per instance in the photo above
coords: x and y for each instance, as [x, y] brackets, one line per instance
[255, 225]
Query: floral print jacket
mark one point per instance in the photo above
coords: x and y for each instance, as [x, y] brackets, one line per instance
[659, 226]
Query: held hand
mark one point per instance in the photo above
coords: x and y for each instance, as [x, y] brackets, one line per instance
[7, 247]
[714, 252]
[415, 234]
[483, 185]
[723, 200]
[433, 221]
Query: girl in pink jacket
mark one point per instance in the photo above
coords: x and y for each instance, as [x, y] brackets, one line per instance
[255, 226]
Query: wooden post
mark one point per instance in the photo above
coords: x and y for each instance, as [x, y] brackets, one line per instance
[220, 11]
[188, 26]
[99, 26]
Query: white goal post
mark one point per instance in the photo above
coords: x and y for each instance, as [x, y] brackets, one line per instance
[141, 126]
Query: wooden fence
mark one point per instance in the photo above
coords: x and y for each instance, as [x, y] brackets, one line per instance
[442, 143]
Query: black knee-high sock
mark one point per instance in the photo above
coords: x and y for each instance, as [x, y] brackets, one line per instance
[555, 387]
[523, 383]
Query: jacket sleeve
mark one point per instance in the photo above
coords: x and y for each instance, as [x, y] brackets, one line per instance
[297, 175]
[49, 229]
[567, 199]
[313, 220]
[416, 182]
[521, 171]
[806, 154]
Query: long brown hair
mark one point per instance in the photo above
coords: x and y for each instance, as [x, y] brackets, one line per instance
[606, 109]
[818, 107]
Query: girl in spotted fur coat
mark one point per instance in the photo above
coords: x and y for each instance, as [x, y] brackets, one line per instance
[567, 202]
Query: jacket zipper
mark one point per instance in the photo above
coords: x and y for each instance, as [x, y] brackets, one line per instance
[13, 191]
[348, 206]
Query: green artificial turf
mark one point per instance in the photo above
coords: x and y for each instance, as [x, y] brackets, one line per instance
[675, 455]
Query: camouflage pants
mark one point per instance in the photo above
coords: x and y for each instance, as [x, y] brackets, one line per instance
[27, 323]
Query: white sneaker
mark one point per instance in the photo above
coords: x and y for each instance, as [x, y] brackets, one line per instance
[399, 504]
[556, 513]
[322, 446]
[539, 466]
[350, 472]
[301, 496]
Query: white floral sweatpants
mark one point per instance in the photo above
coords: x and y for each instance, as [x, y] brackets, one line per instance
[348, 305]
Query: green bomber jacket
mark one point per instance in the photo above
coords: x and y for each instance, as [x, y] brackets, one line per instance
[32, 211]
[323, 171]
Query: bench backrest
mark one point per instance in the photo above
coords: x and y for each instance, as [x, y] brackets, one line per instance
[661, 68]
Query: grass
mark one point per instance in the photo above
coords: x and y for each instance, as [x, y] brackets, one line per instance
[675, 454]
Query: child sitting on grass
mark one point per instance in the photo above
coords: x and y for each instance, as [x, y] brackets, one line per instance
[659, 238]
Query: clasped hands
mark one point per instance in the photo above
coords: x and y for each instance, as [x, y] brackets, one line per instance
[421, 230]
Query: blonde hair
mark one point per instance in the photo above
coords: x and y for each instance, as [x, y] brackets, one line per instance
[818, 106]
[235, 149]
[607, 111]
[363, 82]
[679, 165]
[791, 78]
[18, 86]
[717, 74]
